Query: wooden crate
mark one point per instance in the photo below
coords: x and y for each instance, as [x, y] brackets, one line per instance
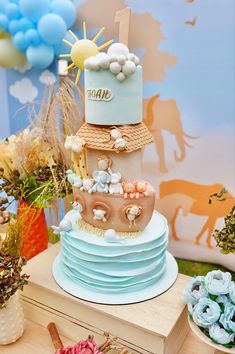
[157, 326]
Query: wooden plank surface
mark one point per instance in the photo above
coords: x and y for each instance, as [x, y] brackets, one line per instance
[156, 316]
[36, 340]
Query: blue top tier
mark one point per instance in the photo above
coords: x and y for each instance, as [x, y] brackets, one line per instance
[112, 102]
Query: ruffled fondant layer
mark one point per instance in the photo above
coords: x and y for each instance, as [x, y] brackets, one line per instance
[105, 267]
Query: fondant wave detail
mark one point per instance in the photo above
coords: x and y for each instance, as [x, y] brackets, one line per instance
[118, 250]
[126, 257]
[137, 284]
[113, 270]
[110, 268]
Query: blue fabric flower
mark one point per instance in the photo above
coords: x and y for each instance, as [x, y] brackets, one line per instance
[227, 319]
[220, 335]
[232, 291]
[195, 291]
[217, 282]
[206, 312]
[222, 299]
[190, 308]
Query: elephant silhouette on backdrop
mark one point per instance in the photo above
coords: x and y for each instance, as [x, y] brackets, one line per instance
[162, 115]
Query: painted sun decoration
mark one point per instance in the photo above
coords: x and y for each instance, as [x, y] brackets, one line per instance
[82, 49]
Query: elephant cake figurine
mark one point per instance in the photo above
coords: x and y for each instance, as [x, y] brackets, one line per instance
[118, 246]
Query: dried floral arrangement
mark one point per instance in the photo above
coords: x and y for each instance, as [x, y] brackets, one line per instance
[87, 346]
[225, 237]
[33, 163]
[4, 214]
[11, 261]
[211, 305]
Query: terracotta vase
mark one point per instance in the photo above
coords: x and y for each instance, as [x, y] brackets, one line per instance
[35, 234]
[11, 321]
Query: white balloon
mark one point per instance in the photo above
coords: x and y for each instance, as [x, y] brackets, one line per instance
[131, 57]
[101, 56]
[136, 60]
[115, 68]
[112, 58]
[121, 77]
[88, 63]
[129, 68]
[121, 59]
[94, 63]
[104, 60]
[118, 49]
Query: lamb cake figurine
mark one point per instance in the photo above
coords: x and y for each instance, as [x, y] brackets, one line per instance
[118, 248]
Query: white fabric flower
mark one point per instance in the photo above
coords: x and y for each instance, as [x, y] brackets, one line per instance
[217, 282]
[219, 334]
[206, 312]
[222, 299]
[227, 319]
[232, 291]
[190, 308]
[195, 291]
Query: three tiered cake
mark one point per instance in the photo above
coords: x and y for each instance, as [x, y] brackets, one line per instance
[113, 243]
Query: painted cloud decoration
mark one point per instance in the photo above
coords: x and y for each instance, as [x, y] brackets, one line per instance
[47, 77]
[23, 68]
[24, 91]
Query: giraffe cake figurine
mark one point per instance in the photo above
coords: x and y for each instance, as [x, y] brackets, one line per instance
[114, 250]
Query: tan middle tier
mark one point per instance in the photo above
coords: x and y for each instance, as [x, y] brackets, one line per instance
[116, 209]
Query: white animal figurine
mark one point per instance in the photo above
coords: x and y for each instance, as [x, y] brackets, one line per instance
[99, 215]
[112, 237]
[132, 212]
[77, 181]
[64, 225]
[78, 144]
[69, 142]
[87, 185]
[115, 185]
[119, 144]
[70, 176]
[74, 179]
[77, 206]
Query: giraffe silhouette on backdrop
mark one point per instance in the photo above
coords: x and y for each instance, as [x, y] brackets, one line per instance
[162, 115]
[199, 196]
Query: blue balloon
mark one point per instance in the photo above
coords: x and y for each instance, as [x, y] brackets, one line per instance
[34, 9]
[52, 28]
[4, 22]
[25, 24]
[20, 42]
[63, 48]
[32, 37]
[14, 27]
[3, 4]
[13, 11]
[40, 57]
[66, 9]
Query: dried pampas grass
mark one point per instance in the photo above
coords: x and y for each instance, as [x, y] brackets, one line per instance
[33, 163]
[61, 114]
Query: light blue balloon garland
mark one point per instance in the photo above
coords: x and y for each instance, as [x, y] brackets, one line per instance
[37, 27]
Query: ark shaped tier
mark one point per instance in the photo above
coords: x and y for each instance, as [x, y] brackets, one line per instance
[107, 182]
